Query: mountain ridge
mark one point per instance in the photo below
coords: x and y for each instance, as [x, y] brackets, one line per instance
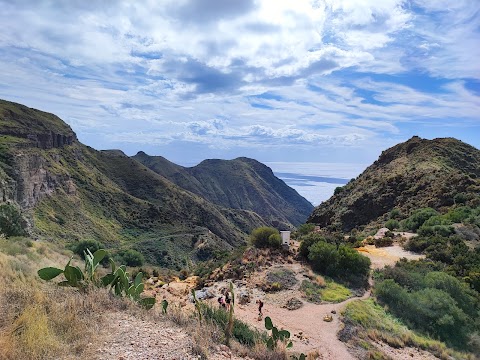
[414, 174]
[241, 183]
[68, 191]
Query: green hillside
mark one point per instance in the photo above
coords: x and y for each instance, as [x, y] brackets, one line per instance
[70, 192]
[412, 175]
[241, 183]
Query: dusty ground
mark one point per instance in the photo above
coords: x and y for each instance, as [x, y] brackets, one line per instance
[130, 338]
[127, 337]
[380, 257]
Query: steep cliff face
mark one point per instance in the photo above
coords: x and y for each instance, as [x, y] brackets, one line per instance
[27, 173]
[34, 179]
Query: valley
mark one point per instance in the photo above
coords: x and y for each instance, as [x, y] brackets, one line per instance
[387, 268]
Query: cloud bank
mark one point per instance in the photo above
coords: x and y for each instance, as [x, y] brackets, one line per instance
[278, 80]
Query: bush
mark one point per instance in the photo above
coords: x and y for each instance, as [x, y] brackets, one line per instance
[395, 214]
[392, 224]
[264, 237]
[131, 257]
[90, 244]
[308, 241]
[305, 229]
[323, 257]
[338, 190]
[274, 241]
[241, 331]
[430, 300]
[343, 263]
[11, 221]
[440, 230]
[418, 217]
[383, 242]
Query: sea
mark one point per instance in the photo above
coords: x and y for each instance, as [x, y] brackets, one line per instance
[315, 181]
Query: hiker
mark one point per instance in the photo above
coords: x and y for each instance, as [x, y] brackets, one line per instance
[260, 306]
[221, 302]
[227, 299]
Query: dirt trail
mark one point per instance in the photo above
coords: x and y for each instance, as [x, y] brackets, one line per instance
[308, 321]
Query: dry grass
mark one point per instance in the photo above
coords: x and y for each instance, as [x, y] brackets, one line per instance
[44, 321]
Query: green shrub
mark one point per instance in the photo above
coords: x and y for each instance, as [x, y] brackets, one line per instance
[430, 300]
[440, 230]
[392, 224]
[338, 190]
[395, 214]
[308, 241]
[264, 237]
[343, 263]
[241, 331]
[417, 218]
[11, 221]
[323, 257]
[131, 257]
[305, 229]
[90, 244]
[274, 241]
[383, 242]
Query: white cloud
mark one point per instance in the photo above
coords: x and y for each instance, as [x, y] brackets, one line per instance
[242, 73]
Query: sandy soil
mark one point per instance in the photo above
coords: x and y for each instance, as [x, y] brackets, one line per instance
[389, 255]
[306, 325]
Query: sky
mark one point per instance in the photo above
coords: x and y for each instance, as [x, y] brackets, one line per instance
[327, 81]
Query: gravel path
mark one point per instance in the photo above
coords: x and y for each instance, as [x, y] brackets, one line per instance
[306, 325]
[130, 338]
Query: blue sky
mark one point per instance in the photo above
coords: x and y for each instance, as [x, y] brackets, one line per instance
[331, 81]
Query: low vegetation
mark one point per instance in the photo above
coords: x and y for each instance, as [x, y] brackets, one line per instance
[11, 221]
[118, 279]
[430, 300]
[368, 321]
[339, 261]
[265, 236]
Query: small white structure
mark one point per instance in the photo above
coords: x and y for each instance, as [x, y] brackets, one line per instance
[285, 237]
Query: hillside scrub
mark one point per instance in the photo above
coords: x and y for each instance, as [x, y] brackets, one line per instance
[338, 261]
[453, 256]
[11, 221]
[374, 324]
[432, 301]
[416, 174]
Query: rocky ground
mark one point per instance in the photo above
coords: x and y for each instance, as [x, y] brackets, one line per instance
[130, 337]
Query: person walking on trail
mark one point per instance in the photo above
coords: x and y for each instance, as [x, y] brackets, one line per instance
[221, 302]
[260, 306]
[227, 300]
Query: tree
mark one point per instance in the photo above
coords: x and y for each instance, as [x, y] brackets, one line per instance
[11, 221]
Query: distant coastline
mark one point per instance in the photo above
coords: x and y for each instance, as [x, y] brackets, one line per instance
[316, 182]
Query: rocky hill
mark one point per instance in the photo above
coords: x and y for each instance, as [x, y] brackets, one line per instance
[415, 174]
[241, 183]
[69, 191]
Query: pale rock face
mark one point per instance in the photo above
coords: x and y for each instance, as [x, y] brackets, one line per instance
[34, 181]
